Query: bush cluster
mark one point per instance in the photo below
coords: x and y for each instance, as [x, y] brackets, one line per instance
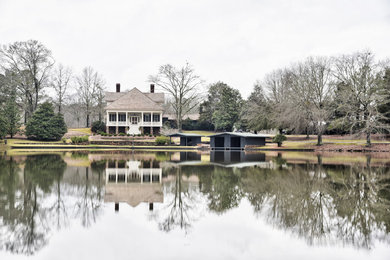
[79, 139]
[162, 140]
[279, 139]
[98, 126]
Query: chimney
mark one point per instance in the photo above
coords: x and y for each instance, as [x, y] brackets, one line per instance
[151, 88]
[118, 87]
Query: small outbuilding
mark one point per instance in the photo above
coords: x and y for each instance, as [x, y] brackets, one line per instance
[235, 140]
[187, 139]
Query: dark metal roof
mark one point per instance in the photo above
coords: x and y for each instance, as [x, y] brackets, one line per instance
[184, 135]
[241, 135]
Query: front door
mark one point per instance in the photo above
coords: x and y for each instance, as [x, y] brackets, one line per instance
[134, 120]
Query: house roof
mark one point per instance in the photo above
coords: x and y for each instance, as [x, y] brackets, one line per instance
[112, 96]
[134, 100]
[184, 135]
[156, 97]
[241, 135]
[133, 193]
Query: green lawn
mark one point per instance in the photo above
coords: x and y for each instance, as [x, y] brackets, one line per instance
[86, 131]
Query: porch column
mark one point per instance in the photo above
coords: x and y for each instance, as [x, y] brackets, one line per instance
[142, 122]
[117, 122]
[107, 122]
[127, 123]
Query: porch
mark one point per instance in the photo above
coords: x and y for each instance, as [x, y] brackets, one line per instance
[129, 122]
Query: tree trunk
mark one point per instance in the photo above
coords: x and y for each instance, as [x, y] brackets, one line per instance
[319, 139]
[87, 120]
[368, 139]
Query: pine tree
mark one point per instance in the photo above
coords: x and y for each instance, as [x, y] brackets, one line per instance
[12, 116]
[45, 124]
[227, 109]
[3, 125]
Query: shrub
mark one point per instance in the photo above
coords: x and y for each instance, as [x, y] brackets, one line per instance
[98, 126]
[162, 140]
[79, 139]
[45, 125]
[279, 139]
[122, 134]
[64, 140]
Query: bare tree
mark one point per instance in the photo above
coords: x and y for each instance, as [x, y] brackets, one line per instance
[100, 94]
[285, 112]
[183, 86]
[360, 77]
[319, 83]
[31, 61]
[89, 83]
[60, 81]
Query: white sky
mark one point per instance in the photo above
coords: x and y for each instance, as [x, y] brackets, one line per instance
[236, 42]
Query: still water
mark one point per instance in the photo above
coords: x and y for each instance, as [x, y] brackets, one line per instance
[182, 205]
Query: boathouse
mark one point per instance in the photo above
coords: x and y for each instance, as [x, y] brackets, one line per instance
[187, 139]
[235, 140]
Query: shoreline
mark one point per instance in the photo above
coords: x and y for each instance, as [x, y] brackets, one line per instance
[329, 148]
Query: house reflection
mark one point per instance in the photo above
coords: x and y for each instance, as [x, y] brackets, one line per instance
[133, 182]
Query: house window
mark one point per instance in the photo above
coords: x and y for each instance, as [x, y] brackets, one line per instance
[122, 117]
[156, 117]
[112, 117]
[147, 118]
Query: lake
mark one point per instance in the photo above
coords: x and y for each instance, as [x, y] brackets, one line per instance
[189, 205]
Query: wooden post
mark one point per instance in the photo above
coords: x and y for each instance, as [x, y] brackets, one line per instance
[116, 206]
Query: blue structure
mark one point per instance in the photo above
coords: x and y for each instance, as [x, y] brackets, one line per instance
[187, 139]
[235, 140]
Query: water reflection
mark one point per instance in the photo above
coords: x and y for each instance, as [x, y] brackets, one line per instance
[318, 200]
[133, 182]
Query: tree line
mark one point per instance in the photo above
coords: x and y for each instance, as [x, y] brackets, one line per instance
[29, 76]
[335, 95]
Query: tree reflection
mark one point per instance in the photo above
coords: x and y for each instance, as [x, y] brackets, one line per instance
[25, 226]
[323, 204]
[182, 208]
[89, 196]
[225, 192]
[34, 198]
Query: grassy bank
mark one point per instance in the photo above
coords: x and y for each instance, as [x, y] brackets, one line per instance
[293, 143]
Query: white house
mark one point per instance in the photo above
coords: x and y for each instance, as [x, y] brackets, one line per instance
[134, 112]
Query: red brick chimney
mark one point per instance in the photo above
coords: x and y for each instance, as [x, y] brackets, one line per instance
[118, 87]
[151, 88]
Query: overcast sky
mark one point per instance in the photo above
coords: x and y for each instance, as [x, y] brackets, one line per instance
[236, 42]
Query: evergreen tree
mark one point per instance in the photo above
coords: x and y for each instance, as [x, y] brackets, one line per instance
[12, 115]
[3, 125]
[228, 109]
[385, 107]
[45, 124]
